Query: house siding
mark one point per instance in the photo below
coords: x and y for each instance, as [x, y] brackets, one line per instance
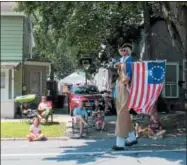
[11, 38]
[162, 49]
[161, 44]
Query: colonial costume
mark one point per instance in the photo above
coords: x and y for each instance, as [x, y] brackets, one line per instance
[124, 130]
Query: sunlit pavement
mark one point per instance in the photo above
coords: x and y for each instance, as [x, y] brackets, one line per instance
[168, 151]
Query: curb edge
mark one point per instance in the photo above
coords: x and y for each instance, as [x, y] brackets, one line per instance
[49, 138]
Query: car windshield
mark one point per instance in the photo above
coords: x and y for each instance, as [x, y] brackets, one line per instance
[85, 90]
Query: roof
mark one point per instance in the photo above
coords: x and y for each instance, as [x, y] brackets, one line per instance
[74, 78]
[9, 65]
[7, 9]
[36, 63]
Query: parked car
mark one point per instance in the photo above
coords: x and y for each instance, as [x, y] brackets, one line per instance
[85, 93]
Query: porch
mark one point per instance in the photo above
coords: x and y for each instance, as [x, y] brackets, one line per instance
[11, 85]
[19, 79]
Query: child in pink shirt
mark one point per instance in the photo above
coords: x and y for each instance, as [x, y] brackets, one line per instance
[35, 131]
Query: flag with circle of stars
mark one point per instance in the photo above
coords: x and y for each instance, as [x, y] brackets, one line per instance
[156, 72]
[146, 85]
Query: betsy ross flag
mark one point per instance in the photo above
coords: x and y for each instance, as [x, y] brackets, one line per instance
[146, 85]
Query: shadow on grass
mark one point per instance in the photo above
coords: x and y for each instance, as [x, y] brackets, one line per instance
[44, 124]
[51, 123]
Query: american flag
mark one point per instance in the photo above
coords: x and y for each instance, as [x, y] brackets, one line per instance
[146, 85]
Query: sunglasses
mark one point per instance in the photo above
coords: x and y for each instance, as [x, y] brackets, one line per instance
[123, 50]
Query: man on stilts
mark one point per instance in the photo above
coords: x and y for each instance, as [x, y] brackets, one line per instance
[125, 135]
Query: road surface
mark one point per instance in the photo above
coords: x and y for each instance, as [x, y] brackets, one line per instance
[170, 151]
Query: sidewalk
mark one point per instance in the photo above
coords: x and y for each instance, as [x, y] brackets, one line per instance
[167, 119]
[93, 134]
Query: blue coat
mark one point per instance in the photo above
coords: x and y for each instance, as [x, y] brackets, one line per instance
[128, 61]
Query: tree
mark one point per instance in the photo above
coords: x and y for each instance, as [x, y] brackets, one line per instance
[80, 25]
[175, 14]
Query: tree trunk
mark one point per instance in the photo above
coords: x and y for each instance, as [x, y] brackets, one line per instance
[176, 19]
[147, 28]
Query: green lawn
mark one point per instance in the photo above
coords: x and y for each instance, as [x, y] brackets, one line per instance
[21, 129]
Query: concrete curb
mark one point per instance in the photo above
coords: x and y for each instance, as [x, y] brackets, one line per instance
[68, 138]
[21, 139]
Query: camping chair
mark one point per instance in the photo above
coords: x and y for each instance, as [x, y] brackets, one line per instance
[75, 124]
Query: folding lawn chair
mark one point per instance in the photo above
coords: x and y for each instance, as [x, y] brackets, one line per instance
[76, 128]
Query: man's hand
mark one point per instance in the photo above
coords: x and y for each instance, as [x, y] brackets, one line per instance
[117, 65]
[125, 80]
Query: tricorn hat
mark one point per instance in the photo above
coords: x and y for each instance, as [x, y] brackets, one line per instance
[126, 45]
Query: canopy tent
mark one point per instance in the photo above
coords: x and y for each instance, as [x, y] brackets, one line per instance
[74, 78]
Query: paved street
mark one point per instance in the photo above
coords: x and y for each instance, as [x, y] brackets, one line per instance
[169, 151]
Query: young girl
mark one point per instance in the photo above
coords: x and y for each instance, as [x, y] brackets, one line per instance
[155, 130]
[35, 131]
[100, 124]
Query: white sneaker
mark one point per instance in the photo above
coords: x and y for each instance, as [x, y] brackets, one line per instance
[137, 136]
[155, 137]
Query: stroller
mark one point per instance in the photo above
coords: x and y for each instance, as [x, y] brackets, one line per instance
[24, 110]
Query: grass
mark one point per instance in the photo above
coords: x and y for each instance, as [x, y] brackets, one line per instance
[21, 129]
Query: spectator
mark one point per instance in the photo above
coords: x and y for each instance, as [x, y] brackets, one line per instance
[25, 108]
[141, 129]
[44, 109]
[155, 130]
[35, 131]
[100, 124]
[80, 117]
[27, 111]
[95, 108]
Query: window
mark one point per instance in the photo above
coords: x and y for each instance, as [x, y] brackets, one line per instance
[3, 78]
[185, 73]
[171, 89]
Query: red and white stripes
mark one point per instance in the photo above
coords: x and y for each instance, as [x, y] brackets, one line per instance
[142, 94]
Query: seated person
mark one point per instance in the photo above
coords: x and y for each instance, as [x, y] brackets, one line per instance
[95, 108]
[80, 116]
[27, 111]
[35, 131]
[141, 129]
[44, 109]
[100, 124]
[155, 130]
[25, 108]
